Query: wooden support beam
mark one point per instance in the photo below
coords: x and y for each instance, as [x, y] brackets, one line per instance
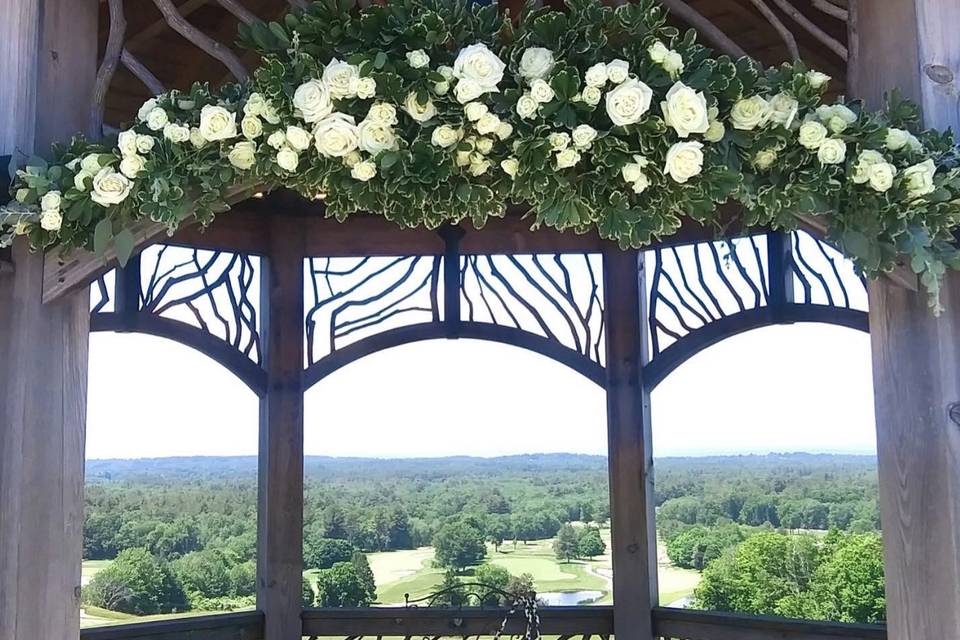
[280, 502]
[632, 527]
[49, 49]
[912, 44]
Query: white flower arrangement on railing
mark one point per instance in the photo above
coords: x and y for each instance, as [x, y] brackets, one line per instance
[431, 111]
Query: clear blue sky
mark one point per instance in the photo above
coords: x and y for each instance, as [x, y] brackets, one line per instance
[786, 388]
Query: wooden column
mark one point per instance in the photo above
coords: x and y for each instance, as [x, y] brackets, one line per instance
[912, 44]
[280, 510]
[49, 53]
[632, 527]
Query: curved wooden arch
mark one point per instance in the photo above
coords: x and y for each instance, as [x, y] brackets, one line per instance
[657, 370]
[511, 336]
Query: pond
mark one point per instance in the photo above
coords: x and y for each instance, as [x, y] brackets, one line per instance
[568, 598]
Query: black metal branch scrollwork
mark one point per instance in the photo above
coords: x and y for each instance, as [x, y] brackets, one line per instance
[556, 296]
[483, 595]
[349, 299]
[101, 293]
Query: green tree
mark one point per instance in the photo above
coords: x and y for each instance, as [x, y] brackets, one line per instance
[567, 544]
[590, 544]
[458, 545]
[204, 574]
[494, 576]
[342, 586]
[307, 596]
[323, 553]
[848, 585]
[136, 582]
[450, 592]
[362, 567]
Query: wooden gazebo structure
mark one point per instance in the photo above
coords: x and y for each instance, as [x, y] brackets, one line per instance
[85, 65]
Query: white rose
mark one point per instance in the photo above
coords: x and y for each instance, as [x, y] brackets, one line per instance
[478, 64]
[684, 161]
[865, 162]
[559, 140]
[479, 167]
[673, 64]
[837, 117]
[618, 71]
[640, 184]
[475, 110]
[110, 187]
[832, 151]
[376, 137]
[336, 135]
[363, 171]
[510, 166]
[277, 140]
[919, 178]
[783, 109]
[765, 158]
[365, 88]
[196, 139]
[658, 52]
[444, 136]
[144, 111]
[243, 155]
[340, 79]
[217, 123]
[467, 90]
[463, 158]
[50, 201]
[441, 88]
[812, 134]
[914, 144]
[685, 110]
[176, 133]
[541, 91]
[484, 145]
[418, 59]
[352, 158]
[896, 139]
[816, 79]
[504, 130]
[567, 158]
[90, 163]
[633, 171]
[251, 127]
[157, 119]
[596, 76]
[255, 105]
[715, 131]
[383, 113]
[446, 72]
[536, 63]
[270, 114]
[287, 159]
[131, 166]
[419, 112]
[51, 220]
[881, 176]
[298, 138]
[583, 136]
[749, 113]
[627, 102]
[311, 101]
[80, 179]
[488, 124]
[527, 107]
[127, 142]
[145, 143]
[591, 95]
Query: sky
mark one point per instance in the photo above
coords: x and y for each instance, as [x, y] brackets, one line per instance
[782, 388]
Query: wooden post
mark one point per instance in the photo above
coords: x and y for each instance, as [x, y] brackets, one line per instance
[49, 49]
[632, 526]
[280, 510]
[912, 45]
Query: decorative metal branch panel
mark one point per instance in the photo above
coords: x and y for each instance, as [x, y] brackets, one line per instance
[550, 304]
[208, 300]
[700, 294]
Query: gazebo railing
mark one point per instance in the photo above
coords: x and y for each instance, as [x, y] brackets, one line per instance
[555, 622]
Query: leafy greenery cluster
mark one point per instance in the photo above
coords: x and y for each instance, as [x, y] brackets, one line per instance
[763, 167]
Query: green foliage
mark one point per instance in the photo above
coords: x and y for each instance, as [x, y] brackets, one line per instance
[342, 585]
[458, 545]
[307, 595]
[589, 543]
[194, 172]
[138, 583]
[695, 547]
[567, 544]
[323, 553]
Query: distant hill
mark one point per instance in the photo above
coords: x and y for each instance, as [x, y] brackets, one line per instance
[345, 468]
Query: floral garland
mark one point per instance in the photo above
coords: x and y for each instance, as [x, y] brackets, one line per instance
[435, 111]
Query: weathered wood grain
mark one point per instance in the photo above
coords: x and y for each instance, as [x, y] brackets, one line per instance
[911, 44]
[632, 535]
[690, 624]
[247, 625]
